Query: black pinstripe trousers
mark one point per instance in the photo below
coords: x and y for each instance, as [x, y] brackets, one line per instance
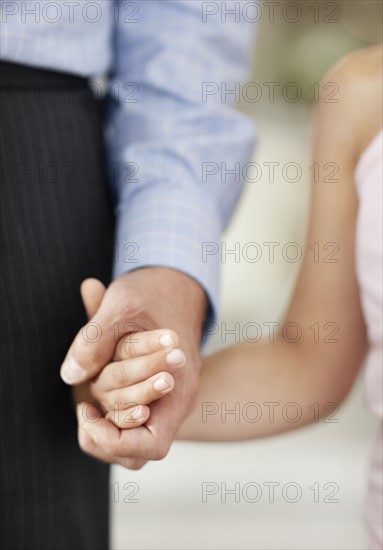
[56, 228]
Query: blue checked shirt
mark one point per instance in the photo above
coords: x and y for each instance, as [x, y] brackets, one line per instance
[176, 145]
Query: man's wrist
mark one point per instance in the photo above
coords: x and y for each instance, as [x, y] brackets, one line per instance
[185, 290]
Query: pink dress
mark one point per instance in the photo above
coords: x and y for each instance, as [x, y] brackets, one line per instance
[369, 259]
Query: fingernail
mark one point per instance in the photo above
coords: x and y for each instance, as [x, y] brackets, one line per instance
[160, 384]
[166, 340]
[71, 372]
[137, 414]
[175, 357]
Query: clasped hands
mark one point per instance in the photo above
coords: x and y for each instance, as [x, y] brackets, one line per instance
[132, 383]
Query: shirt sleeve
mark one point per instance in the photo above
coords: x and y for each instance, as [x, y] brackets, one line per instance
[176, 143]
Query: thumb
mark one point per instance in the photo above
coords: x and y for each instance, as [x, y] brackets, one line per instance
[93, 346]
[92, 293]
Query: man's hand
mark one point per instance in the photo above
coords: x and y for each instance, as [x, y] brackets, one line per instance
[145, 299]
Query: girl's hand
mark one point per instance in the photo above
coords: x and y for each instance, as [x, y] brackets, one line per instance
[141, 373]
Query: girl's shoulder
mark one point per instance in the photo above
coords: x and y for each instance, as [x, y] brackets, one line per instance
[357, 79]
[362, 64]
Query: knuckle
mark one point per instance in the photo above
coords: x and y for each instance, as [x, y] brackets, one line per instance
[145, 364]
[135, 464]
[120, 376]
[108, 406]
[110, 448]
[160, 452]
[145, 392]
[84, 441]
[133, 303]
[126, 347]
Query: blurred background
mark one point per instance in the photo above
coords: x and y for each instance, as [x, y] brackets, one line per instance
[299, 45]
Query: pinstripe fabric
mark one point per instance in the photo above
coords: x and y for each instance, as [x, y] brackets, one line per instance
[56, 229]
